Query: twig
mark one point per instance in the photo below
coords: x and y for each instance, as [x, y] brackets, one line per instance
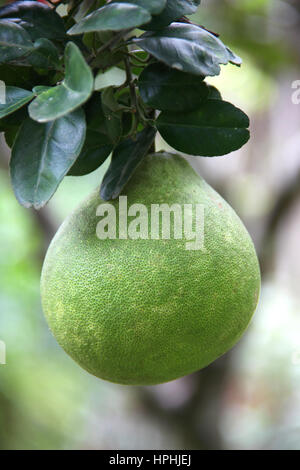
[286, 199]
[114, 40]
[131, 84]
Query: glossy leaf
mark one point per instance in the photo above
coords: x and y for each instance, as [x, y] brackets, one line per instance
[37, 90]
[153, 6]
[112, 17]
[15, 98]
[15, 42]
[96, 149]
[168, 89]
[37, 19]
[186, 47]
[112, 77]
[72, 93]
[43, 154]
[16, 45]
[217, 128]
[125, 159]
[173, 11]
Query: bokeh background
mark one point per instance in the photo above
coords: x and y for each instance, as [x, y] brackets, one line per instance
[248, 399]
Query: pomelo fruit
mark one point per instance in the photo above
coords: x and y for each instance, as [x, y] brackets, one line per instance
[147, 311]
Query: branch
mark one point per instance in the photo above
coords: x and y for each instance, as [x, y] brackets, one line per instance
[196, 421]
[286, 199]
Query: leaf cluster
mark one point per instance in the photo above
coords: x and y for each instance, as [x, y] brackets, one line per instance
[86, 79]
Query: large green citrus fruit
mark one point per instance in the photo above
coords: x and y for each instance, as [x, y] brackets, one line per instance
[146, 311]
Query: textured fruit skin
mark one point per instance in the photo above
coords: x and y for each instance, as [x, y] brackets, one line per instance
[143, 312]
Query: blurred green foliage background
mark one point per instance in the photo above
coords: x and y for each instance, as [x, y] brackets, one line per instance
[250, 398]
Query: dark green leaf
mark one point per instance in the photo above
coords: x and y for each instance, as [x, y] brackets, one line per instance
[95, 151]
[214, 93]
[186, 47]
[113, 114]
[37, 19]
[125, 159]
[15, 42]
[173, 11]
[95, 118]
[16, 45]
[43, 154]
[44, 55]
[23, 77]
[10, 135]
[107, 59]
[15, 98]
[168, 89]
[73, 92]
[153, 6]
[217, 128]
[112, 17]
[13, 120]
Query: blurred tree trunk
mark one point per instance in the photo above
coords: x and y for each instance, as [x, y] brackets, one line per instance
[196, 421]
